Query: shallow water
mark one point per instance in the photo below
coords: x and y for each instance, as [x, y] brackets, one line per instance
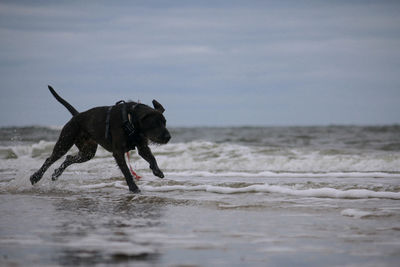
[304, 196]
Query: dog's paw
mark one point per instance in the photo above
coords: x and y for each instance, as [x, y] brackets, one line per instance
[158, 173]
[135, 190]
[35, 178]
[56, 174]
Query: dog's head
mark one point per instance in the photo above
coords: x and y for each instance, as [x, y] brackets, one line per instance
[152, 123]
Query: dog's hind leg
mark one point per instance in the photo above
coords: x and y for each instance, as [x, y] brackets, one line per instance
[64, 143]
[87, 150]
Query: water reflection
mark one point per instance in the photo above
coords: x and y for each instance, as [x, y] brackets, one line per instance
[102, 228]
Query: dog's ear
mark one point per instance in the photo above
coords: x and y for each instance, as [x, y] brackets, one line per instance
[158, 106]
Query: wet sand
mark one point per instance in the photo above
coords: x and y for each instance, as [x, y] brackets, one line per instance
[109, 226]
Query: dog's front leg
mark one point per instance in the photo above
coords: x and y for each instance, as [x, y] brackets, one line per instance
[120, 159]
[145, 152]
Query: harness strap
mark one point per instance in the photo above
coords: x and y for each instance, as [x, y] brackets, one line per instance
[108, 136]
[127, 124]
[128, 128]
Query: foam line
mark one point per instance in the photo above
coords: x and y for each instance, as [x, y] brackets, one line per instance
[286, 174]
[266, 188]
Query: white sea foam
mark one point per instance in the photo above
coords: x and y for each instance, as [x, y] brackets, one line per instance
[209, 160]
[271, 174]
[228, 158]
[96, 186]
[355, 213]
[40, 149]
[202, 158]
[266, 188]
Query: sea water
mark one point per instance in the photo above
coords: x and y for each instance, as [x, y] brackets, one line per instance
[243, 196]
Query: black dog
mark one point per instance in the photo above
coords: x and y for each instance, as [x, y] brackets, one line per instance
[118, 129]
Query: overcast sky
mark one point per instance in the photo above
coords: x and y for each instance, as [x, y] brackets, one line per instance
[210, 63]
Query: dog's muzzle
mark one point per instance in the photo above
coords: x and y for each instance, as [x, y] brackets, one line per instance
[166, 137]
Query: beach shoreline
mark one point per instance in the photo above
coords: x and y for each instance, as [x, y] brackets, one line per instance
[257, 197]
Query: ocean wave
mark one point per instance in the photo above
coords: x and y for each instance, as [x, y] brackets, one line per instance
[26, 150]
[80, 180]
[304, 190]
[204, 158]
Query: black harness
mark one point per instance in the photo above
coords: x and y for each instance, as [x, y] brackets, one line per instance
[127, 124]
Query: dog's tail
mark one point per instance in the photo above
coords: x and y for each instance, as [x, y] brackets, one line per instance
[62, 101]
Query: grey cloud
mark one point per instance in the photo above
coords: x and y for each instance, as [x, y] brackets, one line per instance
[297, 63]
